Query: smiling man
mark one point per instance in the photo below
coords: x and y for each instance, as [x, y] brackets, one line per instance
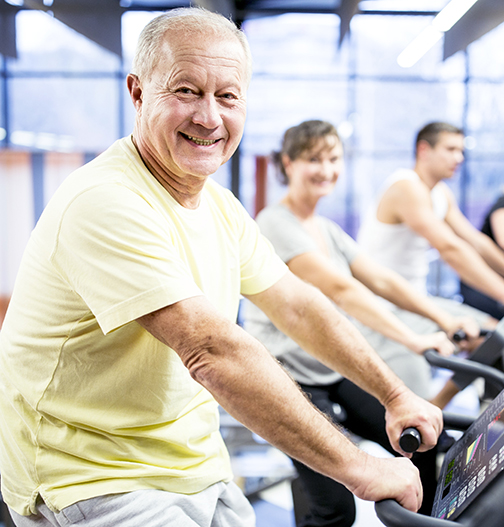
[121, 336]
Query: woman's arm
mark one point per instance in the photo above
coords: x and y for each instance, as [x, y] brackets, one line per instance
[358, 301]
[390, 285]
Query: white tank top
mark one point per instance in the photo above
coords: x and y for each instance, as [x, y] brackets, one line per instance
[397, 246]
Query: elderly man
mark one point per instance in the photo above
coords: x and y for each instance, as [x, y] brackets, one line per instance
[121, 339]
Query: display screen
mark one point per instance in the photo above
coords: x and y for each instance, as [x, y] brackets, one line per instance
[471, 451]
[495, 430]
[449, 472]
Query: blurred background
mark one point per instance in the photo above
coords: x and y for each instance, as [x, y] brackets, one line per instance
[63, 96]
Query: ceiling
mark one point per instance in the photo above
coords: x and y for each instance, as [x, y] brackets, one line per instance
[100, 20]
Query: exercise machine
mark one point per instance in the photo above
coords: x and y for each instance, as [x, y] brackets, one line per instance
[470, 489]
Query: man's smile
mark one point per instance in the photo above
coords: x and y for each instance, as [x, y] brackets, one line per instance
[198, 141]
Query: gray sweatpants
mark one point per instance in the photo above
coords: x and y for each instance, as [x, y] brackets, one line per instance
[221, 505]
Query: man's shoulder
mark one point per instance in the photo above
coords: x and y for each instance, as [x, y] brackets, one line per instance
[405, 195]
[404, 182]
[403, 176]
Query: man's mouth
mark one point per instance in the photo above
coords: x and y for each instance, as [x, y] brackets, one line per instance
[198, 141]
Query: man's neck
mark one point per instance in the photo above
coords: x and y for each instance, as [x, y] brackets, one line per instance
[188, 196]
[426, 176]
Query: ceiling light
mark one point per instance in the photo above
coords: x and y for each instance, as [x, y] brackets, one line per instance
[442, 22]
[452, 13]
[419, 47]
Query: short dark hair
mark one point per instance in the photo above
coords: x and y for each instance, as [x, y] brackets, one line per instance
[299, 139]
[430, 132]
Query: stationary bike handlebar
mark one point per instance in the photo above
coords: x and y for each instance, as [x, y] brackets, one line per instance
[460, 334]
[391, 514]
[389, 511]
[410, 439]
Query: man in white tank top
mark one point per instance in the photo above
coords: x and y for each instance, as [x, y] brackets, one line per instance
[416, 211]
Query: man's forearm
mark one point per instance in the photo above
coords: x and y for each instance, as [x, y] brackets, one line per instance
[251, 385]
[493, 255]
[471, 268]
[315, 324]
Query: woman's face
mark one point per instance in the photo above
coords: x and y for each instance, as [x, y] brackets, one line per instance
[315, 172]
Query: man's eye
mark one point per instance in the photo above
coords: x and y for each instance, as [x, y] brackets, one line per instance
[185, 90]
[229, 96]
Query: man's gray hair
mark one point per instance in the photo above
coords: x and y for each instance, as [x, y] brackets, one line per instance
[187, 20]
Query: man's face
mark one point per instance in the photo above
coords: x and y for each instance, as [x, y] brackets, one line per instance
[446, 155]
[192, 111]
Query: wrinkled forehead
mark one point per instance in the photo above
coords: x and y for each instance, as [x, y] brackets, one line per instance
[205, 45]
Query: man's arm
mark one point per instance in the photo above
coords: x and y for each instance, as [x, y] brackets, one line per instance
[358, 301]
[497, 223]
[251, 386]
[409, 202]
[393, 287]
[483, 244]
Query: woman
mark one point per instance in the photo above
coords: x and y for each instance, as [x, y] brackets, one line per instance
[493, 227]
[319, 252]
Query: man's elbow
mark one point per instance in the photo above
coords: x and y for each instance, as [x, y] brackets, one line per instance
[199, 360]
[453, 253]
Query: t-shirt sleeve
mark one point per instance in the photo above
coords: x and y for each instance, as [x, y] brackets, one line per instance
[345, 244]
[286, 234]
[119, 257]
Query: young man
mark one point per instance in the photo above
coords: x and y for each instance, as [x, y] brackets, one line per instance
[416, 210]
[121, 335]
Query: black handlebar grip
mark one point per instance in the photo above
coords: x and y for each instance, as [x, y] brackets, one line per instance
[410, 440]
[460, 334]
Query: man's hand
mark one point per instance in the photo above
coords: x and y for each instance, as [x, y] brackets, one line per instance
[471, 330]
[391, 478]
[438, 341]
[404, 409]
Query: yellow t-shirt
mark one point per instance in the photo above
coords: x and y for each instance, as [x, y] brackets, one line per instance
[90, 402]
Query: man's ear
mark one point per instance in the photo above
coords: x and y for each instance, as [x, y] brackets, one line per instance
[423, 147]
[135, 90]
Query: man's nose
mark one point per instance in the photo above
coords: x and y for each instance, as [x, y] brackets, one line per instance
[207, 112]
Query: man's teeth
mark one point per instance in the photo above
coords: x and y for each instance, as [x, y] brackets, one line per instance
[204, 142]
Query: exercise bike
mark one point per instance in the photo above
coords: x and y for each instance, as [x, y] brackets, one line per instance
[470, 489]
